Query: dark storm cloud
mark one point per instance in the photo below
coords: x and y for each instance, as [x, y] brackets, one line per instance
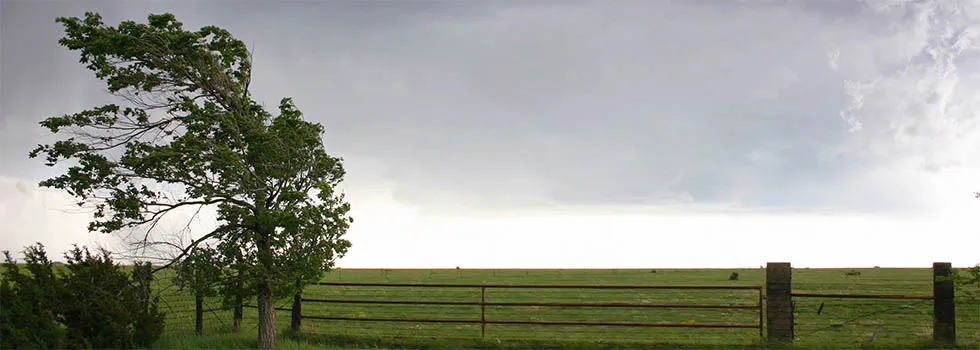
[509, 104]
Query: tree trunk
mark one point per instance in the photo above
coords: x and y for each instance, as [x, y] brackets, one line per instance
[267, 302]
[267, 317]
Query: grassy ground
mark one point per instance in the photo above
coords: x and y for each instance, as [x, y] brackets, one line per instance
[839, 323]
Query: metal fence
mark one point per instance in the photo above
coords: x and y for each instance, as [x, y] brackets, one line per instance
[483, 304]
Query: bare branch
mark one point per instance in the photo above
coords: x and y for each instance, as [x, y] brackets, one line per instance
[186, 250]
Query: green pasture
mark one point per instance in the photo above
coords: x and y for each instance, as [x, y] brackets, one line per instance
[838, 323]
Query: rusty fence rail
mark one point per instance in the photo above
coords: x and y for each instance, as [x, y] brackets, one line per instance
[483, 321]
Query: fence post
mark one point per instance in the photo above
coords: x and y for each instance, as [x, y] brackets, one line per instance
[483, 311]
[762, 318]
[238, 299]
[779, 302]
[943, 308]
[198, 314]
[296, 316]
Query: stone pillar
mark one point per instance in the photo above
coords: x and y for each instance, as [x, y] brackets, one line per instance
[943, 310]
[779, 302]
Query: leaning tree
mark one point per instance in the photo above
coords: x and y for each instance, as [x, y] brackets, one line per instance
[187, 134]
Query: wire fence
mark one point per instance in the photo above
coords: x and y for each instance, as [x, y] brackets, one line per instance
[864, 320]
[179, 308]
[872, 306]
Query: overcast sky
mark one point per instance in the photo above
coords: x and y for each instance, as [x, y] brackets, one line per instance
[581, 133]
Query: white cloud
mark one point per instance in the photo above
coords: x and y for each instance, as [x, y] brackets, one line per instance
[30, 215]
[832, 58]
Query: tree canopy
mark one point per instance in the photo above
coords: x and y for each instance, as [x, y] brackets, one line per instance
[188, 134]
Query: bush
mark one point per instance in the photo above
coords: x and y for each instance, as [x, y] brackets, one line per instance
[968, 284]
[103, 307]
[95, 304]
[149, 320]
[28, 303]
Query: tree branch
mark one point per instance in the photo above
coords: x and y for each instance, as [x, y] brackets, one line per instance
[186, 250]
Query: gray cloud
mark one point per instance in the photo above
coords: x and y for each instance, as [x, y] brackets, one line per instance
[530, 105]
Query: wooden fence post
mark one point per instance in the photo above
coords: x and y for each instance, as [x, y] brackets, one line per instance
[943, 308]
[483, 311]
[779, 302]
[198, 314]
[237, 315]
[296, 315]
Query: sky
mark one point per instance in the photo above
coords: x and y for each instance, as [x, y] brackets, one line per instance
[578, 134]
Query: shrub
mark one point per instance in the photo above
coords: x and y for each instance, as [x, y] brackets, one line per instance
[95, 304]
[149, 320]
[968, 284]
[103, 308]
[28, 303]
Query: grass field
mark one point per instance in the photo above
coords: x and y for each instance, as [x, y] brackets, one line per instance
[839, 323]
